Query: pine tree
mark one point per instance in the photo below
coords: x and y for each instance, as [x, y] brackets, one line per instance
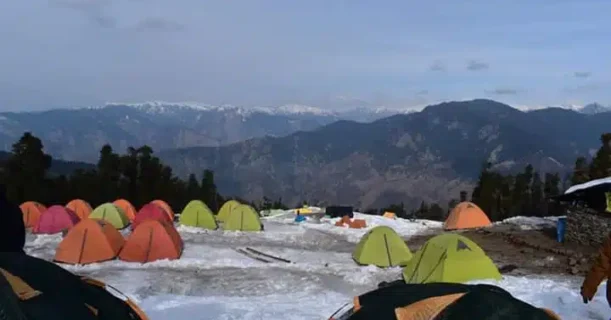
[537, 196]
[581, 172]
[209, 191]
[601, 164]
[26, 170]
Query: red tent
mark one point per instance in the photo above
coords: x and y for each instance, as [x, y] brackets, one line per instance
[55, 220]
[150, 212]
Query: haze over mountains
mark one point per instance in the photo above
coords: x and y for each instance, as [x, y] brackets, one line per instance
[303, 153]
[78, 134]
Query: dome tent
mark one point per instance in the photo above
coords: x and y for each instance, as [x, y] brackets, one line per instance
[111, 214]
[243, 218]
[197, 214]
[89, 241]
[226, 210]
[450, 258]
[383, 247]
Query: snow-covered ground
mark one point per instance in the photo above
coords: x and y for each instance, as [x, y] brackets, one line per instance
[213, 281]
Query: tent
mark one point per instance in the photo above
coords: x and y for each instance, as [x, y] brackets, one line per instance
[440, 301]
[35, 289]
[111, 214]
[197, 214]
[466, 215]
[383, 247]
[226, 210]
[166, 207]
[389, 215]
[304, 210]
[595, 194]
[152, 240]
[243, 218]
[127, 207]
[55, 220]
[31, 213]
[80, 207]
[450, 258]
[150, 212]
[90, 241]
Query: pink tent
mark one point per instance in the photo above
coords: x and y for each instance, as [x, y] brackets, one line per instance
[55, 220]
[150, 212]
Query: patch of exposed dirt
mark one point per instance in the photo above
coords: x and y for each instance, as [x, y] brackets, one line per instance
[516, 251]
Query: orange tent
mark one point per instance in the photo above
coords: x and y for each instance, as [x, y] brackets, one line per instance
[80, 207]
[466, 215]
[165, 206]
[127, 207]
[389, 215]
[31, 211]
[90, 241]
[152, 240]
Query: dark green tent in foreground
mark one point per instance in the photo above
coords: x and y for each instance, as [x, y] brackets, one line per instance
[440, 301]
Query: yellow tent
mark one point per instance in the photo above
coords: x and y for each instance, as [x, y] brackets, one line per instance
[304, 210]
[450, 258]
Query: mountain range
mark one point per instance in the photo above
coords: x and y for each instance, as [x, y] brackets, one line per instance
[79, 134]
[429, 155]
[363, 157]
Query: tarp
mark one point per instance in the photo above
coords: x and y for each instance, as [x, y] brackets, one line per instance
[166, 207]
[80, 207]
[89, 241]
[152, 240]
[197, 214]
[127, 207]
[226, 210]
[244, 218]
[383, 247]
[56, 219]
[450, 258]
[31, 213]
[111, 214]
[466, 215]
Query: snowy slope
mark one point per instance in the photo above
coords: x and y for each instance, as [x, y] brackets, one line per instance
[212, 281]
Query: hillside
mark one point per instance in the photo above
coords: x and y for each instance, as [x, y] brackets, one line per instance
[78, 134]
[58, 167]
[429, 155]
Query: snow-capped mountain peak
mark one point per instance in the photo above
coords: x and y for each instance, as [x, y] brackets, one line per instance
[594, 108]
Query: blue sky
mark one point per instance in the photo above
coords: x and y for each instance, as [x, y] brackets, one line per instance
[326, 53]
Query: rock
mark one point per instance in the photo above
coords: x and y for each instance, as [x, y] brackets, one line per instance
[585, 227]
[527, 250]
[572, 262]
[574, 270]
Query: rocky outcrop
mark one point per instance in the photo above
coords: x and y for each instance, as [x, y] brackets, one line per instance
[586, 227]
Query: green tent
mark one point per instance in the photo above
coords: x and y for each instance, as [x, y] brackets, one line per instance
[111, 214]
[226, 210]
[450, 258]
[383, 247]
[243, 218]
[197, 214]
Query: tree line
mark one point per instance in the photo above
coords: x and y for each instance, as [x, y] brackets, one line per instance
[137, 176]
[140, 177]
[526, 193]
